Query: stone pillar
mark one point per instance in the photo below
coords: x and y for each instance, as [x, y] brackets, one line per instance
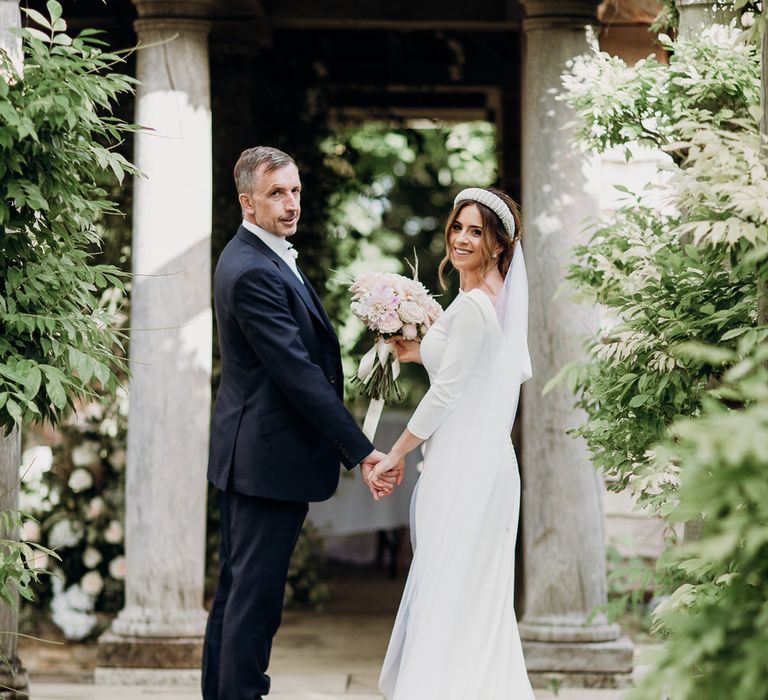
[695, 15]
[13, 677]
[158, 634]
[10, 18]
[14, 683]
[563, 540]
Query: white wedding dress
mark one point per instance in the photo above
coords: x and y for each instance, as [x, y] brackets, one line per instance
[456, 634]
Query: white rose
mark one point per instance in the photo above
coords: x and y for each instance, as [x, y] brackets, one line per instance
[411, 312]
[114, 533]
[391, 323]
[92, 583]
[117, 568]
[35, 462]
[80, 480]
[410, 332]
[96, 507]
[92, 558]
[86, 453]
[30, 531]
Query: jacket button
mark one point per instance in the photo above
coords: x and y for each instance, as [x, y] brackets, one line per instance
[332, 380]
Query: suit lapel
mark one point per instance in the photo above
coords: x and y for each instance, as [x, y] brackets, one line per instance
[318, 304]
[305, 291]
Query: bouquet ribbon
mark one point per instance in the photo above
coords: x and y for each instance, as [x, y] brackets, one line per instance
[381, 352]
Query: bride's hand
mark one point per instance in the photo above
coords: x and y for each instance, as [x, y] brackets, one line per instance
[406, 350]
[391, 466]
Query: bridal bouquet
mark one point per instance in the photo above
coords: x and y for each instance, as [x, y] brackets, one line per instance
[389, 304]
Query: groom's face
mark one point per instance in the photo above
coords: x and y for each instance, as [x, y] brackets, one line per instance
[275, 203]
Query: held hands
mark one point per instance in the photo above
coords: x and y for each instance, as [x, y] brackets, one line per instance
[391, 466]
[387, 479]
[406, 350]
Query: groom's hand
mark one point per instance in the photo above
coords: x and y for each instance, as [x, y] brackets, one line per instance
[385, 485]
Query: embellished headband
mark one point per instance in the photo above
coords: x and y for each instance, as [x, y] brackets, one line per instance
[493, 202]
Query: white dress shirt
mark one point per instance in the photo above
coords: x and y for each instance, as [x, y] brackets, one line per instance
[277, 244]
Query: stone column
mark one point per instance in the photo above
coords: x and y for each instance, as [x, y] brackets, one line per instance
[13, 677]
[563, 540]
[695, 15]
[14, 683]
[159, 632]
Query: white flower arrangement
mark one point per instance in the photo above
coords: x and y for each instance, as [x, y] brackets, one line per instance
[72, 610]
[74, 489]
[389, 304]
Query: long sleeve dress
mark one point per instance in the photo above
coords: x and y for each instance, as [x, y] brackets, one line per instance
[456, 636]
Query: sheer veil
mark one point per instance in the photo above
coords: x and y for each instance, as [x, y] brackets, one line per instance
[512, 365]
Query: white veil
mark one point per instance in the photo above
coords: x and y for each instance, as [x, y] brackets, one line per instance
[512, 365]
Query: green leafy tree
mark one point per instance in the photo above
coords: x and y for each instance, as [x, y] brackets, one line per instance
[57, 141]
[674, 389]
[56, 138]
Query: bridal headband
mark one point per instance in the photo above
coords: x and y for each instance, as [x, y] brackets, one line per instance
[493, 202]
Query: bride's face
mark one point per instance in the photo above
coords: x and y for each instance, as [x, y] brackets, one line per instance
[465, 240]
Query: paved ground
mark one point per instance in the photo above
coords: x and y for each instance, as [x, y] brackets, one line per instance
[90, 692]
[330, 655]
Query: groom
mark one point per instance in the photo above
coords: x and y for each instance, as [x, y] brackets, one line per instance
[279, 427]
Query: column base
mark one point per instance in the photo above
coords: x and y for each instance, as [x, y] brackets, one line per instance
[568, 628]
[119, 652]
[14, 682]
[595, 681]
[580, 664]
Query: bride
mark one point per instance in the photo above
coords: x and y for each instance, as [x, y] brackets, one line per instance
[456, 635]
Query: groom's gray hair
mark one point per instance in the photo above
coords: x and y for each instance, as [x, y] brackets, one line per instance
[251, 159]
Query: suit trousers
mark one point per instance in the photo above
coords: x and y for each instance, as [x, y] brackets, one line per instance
[257, 539]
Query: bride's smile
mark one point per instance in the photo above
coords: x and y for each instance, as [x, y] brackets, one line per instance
[465, 238]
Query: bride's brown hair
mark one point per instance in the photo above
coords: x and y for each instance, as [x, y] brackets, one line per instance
[494, 235]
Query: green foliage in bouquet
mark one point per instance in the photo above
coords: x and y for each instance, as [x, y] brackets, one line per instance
[57, 139]
[674, 388]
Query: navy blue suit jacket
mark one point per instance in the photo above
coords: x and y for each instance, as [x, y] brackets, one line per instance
[279, 426]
